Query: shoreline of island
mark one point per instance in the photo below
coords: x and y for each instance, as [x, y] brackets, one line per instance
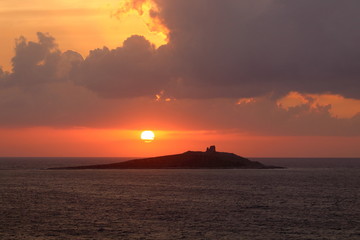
[210, 159]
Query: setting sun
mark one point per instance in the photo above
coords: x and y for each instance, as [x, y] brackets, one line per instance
[147, 136]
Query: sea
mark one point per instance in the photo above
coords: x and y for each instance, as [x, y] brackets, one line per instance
[310, 199]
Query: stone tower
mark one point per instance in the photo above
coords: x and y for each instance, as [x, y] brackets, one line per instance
[211, 149]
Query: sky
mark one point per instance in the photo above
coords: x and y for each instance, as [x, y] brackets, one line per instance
[260, 78]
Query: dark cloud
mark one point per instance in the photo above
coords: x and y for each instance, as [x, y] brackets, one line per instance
[38, 91]
[266, 45]
[35, 63]
[133, 70]
[228, 49]
[3, 77]
[262, 116]
[235, 49]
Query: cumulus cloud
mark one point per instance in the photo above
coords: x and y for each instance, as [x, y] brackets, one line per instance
[34, 63]
[133, 70]
[229, 49]
[38, 91]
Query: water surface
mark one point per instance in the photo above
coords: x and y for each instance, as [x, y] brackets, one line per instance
[180, 204]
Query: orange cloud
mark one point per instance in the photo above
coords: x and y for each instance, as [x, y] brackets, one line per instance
[340, 106]
[246, 100]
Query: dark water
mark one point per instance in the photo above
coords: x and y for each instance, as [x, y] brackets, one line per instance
[312, 162]
[7, 163]
[295, 203]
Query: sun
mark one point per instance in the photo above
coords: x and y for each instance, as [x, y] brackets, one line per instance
[147, 136]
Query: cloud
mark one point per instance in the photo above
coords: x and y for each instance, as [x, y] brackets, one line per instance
[266, 46]
[235, 49]
[218, 52]
[228, 49]
[133, 70]
[3, 77]
[38, 91]
[34, 63]
[264, 116]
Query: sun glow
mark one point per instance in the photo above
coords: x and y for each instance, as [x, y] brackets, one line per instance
[148, 11]
[147, 136]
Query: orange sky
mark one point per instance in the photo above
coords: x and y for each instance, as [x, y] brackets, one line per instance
[114, 142]
[86, 25]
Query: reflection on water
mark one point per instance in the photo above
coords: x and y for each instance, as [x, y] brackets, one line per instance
[180, 204]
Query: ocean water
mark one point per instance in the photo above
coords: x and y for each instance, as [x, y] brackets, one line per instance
[293, 203]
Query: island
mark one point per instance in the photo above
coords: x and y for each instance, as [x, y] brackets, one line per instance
[210, 159]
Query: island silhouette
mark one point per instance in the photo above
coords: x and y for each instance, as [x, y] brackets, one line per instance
[210, 159]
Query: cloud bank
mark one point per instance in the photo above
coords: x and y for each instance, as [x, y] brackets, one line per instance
[218, 49]
[257, 47]
[218, 52]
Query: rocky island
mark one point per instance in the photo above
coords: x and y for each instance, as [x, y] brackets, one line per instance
[210, 159]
